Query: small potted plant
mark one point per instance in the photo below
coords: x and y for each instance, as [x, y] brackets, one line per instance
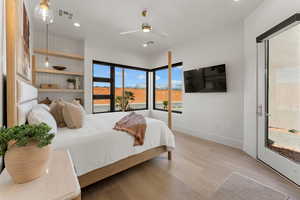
[71, 83]
[26, 150]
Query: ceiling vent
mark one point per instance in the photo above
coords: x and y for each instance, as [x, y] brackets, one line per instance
[63, 13]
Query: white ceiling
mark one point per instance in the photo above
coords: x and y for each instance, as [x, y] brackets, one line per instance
[103, 20]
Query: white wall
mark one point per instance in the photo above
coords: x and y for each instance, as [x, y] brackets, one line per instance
[267, 15]
[213, 116]
[100, 52]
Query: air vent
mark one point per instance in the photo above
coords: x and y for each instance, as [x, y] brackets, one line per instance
[63, 13]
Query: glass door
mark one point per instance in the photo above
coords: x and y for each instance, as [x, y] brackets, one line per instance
[279, 102]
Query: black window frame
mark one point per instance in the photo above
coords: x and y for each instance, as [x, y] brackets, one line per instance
[111, 80]
[154, 87]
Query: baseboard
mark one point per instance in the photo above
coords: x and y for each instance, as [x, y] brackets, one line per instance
[212, 137]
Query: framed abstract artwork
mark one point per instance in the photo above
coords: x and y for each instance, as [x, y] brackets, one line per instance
[23, 43]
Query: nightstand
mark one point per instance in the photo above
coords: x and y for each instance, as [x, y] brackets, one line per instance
[59, 182]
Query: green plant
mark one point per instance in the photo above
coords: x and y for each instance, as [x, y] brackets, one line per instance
[125, 104]
[22, 135]
[165, 104]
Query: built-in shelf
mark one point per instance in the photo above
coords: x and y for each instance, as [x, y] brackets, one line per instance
[52, 71]
[58, 54]
[60, 90]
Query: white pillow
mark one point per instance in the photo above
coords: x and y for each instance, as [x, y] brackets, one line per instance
[39, 115]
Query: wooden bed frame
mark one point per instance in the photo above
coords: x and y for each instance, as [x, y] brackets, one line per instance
[119, 166]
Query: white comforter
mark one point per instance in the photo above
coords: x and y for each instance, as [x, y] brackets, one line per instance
[97, 144]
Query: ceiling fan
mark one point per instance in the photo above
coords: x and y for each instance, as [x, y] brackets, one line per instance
[145, 28]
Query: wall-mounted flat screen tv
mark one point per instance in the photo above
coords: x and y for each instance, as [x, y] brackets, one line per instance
[208, 79]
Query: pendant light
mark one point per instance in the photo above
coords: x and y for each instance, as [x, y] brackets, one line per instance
[44, 12]
[47, 46]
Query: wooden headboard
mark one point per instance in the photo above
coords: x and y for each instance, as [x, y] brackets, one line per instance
[26, 98]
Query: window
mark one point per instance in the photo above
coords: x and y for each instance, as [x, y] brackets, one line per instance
[160, 88]
[108, 85]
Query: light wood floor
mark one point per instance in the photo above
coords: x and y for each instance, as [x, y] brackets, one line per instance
[198, 168]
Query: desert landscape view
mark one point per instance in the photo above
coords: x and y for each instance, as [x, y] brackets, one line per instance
[139, 101]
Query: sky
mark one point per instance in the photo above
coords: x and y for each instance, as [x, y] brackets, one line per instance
[137, 78]
[161, 81]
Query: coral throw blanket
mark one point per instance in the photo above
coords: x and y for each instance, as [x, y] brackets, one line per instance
[135, 125]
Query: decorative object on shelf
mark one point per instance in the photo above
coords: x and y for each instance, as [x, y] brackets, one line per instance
[79, 100]
[49, 86]
[44, 12]
[26, 151]
[60, 68]
[77, 83]
[46, 101]
[71, 83]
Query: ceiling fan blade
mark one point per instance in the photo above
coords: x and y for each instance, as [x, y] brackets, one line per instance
[129, 32]
[161, 34]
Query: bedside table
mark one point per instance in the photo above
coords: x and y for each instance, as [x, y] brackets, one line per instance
[58, 183]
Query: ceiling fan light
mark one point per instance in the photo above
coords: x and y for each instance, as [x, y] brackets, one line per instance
[146, 28]
[145, 45]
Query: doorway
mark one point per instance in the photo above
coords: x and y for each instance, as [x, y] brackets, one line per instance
[279, 98]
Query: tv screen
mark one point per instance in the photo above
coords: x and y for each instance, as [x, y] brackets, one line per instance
[209, 79]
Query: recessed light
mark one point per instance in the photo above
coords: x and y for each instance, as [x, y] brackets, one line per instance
[145, 45]
[236, 0]
[76, 24]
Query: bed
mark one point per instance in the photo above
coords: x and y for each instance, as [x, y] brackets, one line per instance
[97, 145]
[96, 149]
